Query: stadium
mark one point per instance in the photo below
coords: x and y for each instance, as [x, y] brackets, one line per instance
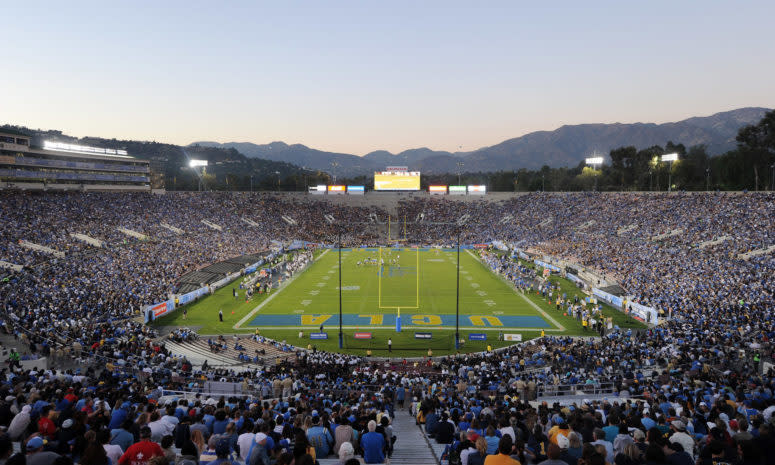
[404, 233]
[592, 300]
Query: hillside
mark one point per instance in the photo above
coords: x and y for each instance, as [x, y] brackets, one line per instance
[228, 168]
[565, 146]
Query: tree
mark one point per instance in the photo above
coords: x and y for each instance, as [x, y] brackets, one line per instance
[756, 152]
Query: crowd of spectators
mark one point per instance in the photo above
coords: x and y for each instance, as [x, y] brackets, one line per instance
[691, 390]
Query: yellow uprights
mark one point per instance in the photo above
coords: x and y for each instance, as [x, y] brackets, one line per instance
[379, 277]
[417, 272]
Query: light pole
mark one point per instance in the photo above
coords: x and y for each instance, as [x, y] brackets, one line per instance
[457, 296]
[251, 183]
[543, 183]
[459, 169]
[772, 177]
[670, 158]
[707, 179]
[194, 164]
[278, 180]
[334, 165]
[341, 336]
[594, 161]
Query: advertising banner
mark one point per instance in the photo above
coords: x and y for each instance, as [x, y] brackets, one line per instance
[499, 245]
[610, 298]
[222, 282]
[191, 296]
[336, 189]
[574, 278]
[549, 266]
[642, 312]
[477, 190]
[437, 190]
[477, 337]
[512, 337]
[423, 335]
[318, 336]
[362, 335]
[457, 190]
[155, 311]
[356, 190]
[251, 268]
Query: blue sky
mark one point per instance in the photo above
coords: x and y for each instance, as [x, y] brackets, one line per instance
[361, 76]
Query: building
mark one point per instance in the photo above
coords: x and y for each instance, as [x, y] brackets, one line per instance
[61, 166]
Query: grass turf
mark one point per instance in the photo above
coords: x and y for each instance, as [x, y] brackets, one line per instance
[420, 282]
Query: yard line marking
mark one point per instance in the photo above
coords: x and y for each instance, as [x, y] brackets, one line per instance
[306, 302]
[424, 328]
[532, 304]
[269, 299]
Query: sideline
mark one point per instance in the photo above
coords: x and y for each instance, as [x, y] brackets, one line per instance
[269, 299]
[532, 304]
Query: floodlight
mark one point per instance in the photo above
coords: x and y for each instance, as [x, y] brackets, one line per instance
[670, 157]
[595, 161]
[72, 148]
[196, 163]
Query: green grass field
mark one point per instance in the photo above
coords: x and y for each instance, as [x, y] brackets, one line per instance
[419, 282]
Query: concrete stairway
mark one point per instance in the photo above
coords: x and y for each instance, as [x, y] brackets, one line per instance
[411, 447]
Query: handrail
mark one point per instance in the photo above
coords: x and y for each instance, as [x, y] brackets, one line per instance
[555, 390]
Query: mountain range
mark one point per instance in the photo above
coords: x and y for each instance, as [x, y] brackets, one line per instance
[566, 146]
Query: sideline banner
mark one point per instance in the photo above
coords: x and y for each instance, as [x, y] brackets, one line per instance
[546, 265]
[643, 313]
[191, 296]
[512, 337]
[610, 298]
[155, 311]
[574, 278]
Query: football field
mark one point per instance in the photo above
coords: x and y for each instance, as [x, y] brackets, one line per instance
[379, 283]
[379, 288]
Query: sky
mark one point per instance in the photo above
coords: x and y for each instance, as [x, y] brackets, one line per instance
[359, 76]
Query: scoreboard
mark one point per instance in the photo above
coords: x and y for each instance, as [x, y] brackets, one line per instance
[397, 178]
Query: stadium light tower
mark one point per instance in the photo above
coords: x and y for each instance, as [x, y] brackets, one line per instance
[334, 165]
[670, 158]
[341, 335]
[595, 161]
[194, 164]
[459, 168]
[278, 180]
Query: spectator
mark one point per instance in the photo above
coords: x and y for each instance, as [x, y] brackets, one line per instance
[373, 445]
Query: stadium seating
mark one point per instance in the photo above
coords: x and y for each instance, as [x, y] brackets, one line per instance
[707, 364]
